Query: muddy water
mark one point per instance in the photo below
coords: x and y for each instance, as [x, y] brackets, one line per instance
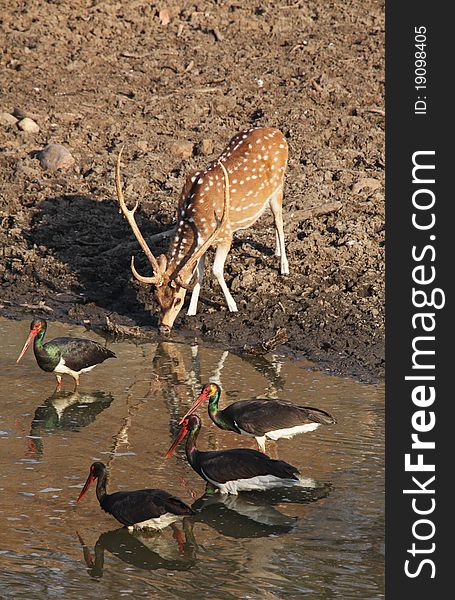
[323, 544]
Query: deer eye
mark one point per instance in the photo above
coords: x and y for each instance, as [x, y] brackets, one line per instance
[177, 301]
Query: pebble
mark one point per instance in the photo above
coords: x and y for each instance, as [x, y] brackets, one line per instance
[142, 145]
[182, 148]
[55, 156]
[28, 125]
[366, 182]
[19, 113]
[164, 17]
[7, 119]
[205, 147]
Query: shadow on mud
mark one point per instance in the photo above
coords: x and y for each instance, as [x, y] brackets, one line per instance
[96, 243]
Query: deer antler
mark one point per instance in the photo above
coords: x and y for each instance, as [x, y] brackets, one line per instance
[188, 268]
[129, 214]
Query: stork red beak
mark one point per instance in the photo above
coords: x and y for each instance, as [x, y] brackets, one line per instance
[27, 344]
[88, 483]
[181, 434]
[203, 396]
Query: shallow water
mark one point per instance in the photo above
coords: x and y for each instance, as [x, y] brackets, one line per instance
[327, 543]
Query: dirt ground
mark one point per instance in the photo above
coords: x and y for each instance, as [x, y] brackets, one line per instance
[98, 74]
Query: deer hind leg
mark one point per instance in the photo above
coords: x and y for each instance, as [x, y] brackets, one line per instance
[192, 309]
[218, 270]
[276, 206]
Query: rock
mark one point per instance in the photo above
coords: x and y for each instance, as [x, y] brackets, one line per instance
[19, 113]
[55, 156]
[164, 17]
[7, 119]
[182, 148]
[366, 182]
[28, 125]
[142, 145]
[248, 279]
[205, 147]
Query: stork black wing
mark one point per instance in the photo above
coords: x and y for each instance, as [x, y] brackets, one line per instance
[134, 507]
[242, 463]
[260, 415]
[78, 353]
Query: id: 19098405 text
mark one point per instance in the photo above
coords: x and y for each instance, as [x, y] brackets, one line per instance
[420, 69]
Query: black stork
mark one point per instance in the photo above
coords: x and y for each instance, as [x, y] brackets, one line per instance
[61, 355]
[141, 509]
[262, 418]
[236, 470]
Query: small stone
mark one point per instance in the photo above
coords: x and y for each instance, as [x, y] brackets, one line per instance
[182, 148]
[218, 35]
[164, 17]
[7, 119]
[142, 145]
[28, 125]
[55, 156]
[19, 113]
[366, 182]
[205, 147]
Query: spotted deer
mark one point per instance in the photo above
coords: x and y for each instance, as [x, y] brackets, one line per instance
[231, 194]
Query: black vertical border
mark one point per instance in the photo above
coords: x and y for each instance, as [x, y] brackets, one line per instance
[405, 134]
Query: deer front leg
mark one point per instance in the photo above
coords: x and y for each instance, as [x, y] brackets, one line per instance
[218, 270]
[276, 206]
[192, 310]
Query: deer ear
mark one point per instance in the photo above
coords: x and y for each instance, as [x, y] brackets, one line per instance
[162, 262]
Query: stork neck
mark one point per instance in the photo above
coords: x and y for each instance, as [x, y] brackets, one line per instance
[38, 343]
[217, 415]
[47, 355]
[214, 412]
[190, 448]
[101, 487]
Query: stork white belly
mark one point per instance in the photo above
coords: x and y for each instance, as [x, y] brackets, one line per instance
[62, 369]
[158, 523]
[291, 431]
[261, 483]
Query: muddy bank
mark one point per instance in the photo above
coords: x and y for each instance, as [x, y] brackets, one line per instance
[93, 77]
